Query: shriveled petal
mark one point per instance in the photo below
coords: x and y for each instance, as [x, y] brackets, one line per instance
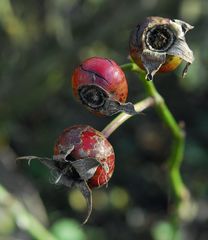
[86, 168]
[152, 61]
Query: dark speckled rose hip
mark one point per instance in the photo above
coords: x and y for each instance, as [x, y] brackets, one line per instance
[83, 158]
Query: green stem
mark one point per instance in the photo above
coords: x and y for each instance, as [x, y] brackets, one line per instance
[177, 149]
[132, 67]
[23, 218]
[122, 117]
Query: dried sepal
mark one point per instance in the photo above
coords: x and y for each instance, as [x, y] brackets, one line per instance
[180, 27]
[152, 61]
[48, 162]
[182, 50]
[83, 188]
[86, 168]
[112, 107]
[66, 181]
[64, 152]
[87, 194]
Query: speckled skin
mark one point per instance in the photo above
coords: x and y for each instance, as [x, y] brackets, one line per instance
[137, 44]
[102, 72]
[89, 143]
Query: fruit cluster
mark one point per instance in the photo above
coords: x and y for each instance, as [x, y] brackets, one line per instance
[83, 157]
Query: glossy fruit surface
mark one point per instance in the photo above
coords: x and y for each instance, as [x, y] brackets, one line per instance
[171, 63]
[98, 80]
[86, 142]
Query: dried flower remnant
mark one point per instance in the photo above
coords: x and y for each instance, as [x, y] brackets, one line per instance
[159, 45]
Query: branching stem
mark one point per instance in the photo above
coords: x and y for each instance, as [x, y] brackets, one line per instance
[175, 159]
[122, 117]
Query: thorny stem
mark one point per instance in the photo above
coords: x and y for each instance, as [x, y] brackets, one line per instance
[175, 159]
[122, 117]
[23, 218]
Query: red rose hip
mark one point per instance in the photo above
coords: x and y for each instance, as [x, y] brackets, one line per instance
[101, 86]
[159, 45]
[83, 158]
[84, 143]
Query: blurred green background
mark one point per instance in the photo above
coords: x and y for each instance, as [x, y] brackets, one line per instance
[41, 42]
